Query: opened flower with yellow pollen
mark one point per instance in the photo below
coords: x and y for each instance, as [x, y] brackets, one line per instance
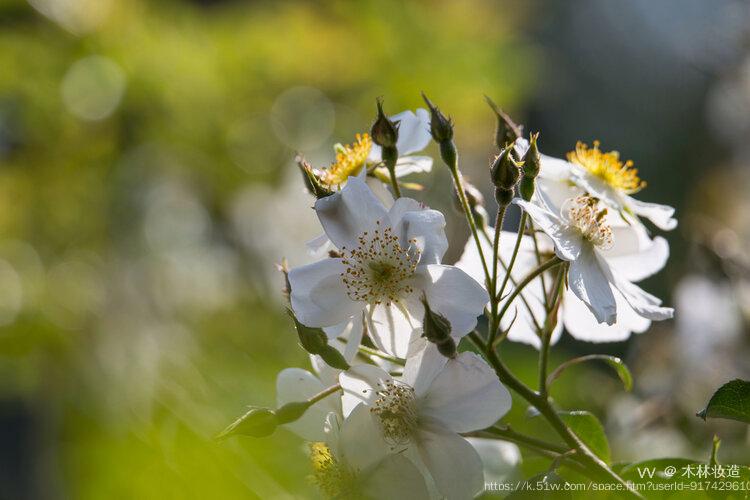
[421, 414]
[385, 262]
[352, 463]
[351, 159]
[602, 175]
[582, 235]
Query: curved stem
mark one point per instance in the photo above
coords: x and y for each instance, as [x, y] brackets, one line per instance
[390, 163]
[494, 298]
[521, 230]
[549, 325]
[554, 261]
[324, 393]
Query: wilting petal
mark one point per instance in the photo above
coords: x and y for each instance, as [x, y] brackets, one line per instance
[589, 282]
[660, 215]
[416, 225]
[582, 325]
[391, 328]
[361, 441]
[453, 463]
[408, 165]
[296, 384]
[361, 384]
[395, 477]
[345, 215]
[466, 395]
[567, 242]
[319, 296]
[453, 294]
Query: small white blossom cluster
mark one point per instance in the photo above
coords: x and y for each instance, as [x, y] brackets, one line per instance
[389, 417]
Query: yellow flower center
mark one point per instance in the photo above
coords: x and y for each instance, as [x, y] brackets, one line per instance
[350, 159]
[608, 167]
[590, 221]
[333, 479]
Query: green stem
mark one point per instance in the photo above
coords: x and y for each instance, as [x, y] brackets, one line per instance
[554, 261]
[549, 325]
[390, 163]
[324, 393]
[521, 230]
[494, 299]
[459, 185]
[381, 355]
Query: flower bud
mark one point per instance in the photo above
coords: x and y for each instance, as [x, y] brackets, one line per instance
[503, 196]
[313, 340]
[291, 412]
[441, 127]
[257, 422]
[506, 131]
[312, 181]
[531, 167]
[437, 329]
[505, 170]
[384, 132]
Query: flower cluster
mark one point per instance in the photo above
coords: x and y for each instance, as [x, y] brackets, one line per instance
[394, 392]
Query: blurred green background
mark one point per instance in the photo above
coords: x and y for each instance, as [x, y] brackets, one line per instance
[147, 188]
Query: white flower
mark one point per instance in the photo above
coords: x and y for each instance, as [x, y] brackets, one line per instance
[603, 176]
[634, 255]
[422, 414]
[388, 260]
[582, 235]
[354, 463]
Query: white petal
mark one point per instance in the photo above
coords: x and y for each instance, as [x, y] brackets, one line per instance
[412, 222]
[319, 245]
[422, 368]
[567, 242]
[380, 191]
[582, 325]
[345, 215]
[391, 328]
[660, 215]
[641, 301]
[413, 131]
[453, 463]
[597, 188]
[351, 332]
[466, 395]
[407, 165]
[453, 294]
[588, 280]
[361, 442]
[295, 384]
[500, 458]
[395, 477]
[640, 264]
[319, 296]
[360, 384]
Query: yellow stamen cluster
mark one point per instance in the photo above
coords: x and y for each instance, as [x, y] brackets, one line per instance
[608, 167]
[590, 221]
[349, 160]
[379, 268]
[333, 479]
[397, 410]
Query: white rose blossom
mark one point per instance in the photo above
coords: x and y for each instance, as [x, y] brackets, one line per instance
[387, 261]
[582, 236]
[421, 414]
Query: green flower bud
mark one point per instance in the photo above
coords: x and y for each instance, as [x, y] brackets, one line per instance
[313, 340]
[506, 131]
[384, 132]
[437, 329]
[505, 171]
[503, 196]
[291, 412]
[312, 181]
[257, 422]
[441, 127]
[531, 166]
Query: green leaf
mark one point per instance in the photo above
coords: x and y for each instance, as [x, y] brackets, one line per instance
[587, 427]
[731, 401]
[619, 366]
